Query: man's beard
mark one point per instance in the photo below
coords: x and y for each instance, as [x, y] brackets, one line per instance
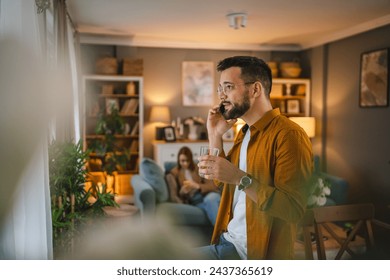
[238, 110]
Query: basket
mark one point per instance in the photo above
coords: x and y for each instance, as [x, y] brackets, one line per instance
[107, 66]
[132, 67]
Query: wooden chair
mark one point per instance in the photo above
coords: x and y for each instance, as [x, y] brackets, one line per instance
[306, 224]
[361, 215]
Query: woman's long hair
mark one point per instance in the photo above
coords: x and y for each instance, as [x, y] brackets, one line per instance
[188, 153]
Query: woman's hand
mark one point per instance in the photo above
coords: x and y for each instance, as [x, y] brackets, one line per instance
[189, 186]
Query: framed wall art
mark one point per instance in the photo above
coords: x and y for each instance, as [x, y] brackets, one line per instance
[198, 83]
[374, 79]
[293, 106]
[111, 103]
[169, 134]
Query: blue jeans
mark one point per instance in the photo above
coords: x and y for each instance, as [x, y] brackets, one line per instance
[224, 250]
[210, 205]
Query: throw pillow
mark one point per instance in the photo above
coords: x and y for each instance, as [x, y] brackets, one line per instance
[154, 175]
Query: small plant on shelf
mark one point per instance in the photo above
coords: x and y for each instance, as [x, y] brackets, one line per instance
[113, 156]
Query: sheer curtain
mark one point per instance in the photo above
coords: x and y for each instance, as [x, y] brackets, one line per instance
[25, 215]
[75, 69]
[31, 98]
[66, 49]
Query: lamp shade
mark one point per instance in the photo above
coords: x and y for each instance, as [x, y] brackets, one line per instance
[160, 114]
[307, 123]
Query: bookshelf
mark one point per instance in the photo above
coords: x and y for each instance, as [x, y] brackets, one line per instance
[103, 94]
[292, 96]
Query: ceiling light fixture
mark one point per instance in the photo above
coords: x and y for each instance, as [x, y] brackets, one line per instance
[237, 20]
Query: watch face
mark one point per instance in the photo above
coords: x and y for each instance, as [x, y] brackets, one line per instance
[246, 181]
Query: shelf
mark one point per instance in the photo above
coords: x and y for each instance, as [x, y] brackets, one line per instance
[118, 136]
[119, 78]
[290, 80]
[117, 95]
[291, 96]
[284, 97]
[125, 93]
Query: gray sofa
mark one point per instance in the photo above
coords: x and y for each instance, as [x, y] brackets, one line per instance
[151, 196]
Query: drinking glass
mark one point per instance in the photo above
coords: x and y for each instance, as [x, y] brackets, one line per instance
[206, 150]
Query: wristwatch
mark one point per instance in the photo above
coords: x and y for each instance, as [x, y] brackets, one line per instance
[245, 182]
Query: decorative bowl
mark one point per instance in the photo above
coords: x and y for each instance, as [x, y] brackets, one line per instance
[291, 72]
[289, 64]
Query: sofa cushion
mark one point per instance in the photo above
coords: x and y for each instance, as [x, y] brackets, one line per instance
[154, 175]
[182, 214]
[169, 165]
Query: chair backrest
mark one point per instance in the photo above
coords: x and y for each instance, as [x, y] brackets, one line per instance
[330, 217]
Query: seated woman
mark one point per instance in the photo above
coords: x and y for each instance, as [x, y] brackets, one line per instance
[186, 186]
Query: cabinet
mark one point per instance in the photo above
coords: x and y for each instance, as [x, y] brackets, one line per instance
[167, 151]
[292, 96]
[105, 95]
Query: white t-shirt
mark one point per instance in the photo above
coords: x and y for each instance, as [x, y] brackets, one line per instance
[236, 230]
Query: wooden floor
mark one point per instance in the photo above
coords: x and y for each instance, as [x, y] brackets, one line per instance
[358, 245]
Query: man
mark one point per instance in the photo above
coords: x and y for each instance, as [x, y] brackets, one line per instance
[266, 173]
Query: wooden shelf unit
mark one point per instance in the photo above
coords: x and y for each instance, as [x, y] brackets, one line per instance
[292, 96]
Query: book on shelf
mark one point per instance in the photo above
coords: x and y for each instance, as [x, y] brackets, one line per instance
[130, 107]
[134, 131]
[134, 146]
[125, 107]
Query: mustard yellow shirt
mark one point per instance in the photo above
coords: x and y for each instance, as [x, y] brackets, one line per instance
[280, 160]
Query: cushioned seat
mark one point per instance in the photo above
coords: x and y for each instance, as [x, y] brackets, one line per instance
[151, 196]
[183, 214]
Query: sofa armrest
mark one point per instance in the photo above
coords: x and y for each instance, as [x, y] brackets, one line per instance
[144, 196]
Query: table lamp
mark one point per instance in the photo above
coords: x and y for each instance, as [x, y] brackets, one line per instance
[160, 114]
[307, 123]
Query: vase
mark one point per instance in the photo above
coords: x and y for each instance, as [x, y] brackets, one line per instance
[192, 135]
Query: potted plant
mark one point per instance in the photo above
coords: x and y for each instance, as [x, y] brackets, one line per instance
[320, 192]
[72, 203]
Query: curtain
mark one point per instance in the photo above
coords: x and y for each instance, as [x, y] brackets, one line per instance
[25, 214]
[36, 104]
[64, 97]
[75, 68]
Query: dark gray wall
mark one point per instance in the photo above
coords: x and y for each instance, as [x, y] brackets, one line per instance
[356, 142]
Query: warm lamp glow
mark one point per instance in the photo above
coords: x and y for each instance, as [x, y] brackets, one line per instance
[307, 123]
[160, 114]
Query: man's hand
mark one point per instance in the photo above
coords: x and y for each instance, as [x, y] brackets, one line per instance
[216, 123]
[219, 168]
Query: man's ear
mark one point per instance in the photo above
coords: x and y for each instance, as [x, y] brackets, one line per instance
[258, 89]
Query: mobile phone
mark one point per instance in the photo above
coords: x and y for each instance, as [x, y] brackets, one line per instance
[221, 108]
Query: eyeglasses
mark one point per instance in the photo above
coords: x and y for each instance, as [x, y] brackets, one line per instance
[228, 87]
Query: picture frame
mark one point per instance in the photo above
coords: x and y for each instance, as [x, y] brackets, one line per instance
[374, 79]
[169, 134]
[293, 106]
[111, 103]
[198, 83]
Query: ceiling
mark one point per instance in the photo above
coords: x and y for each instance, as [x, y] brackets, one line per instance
[202, 24]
